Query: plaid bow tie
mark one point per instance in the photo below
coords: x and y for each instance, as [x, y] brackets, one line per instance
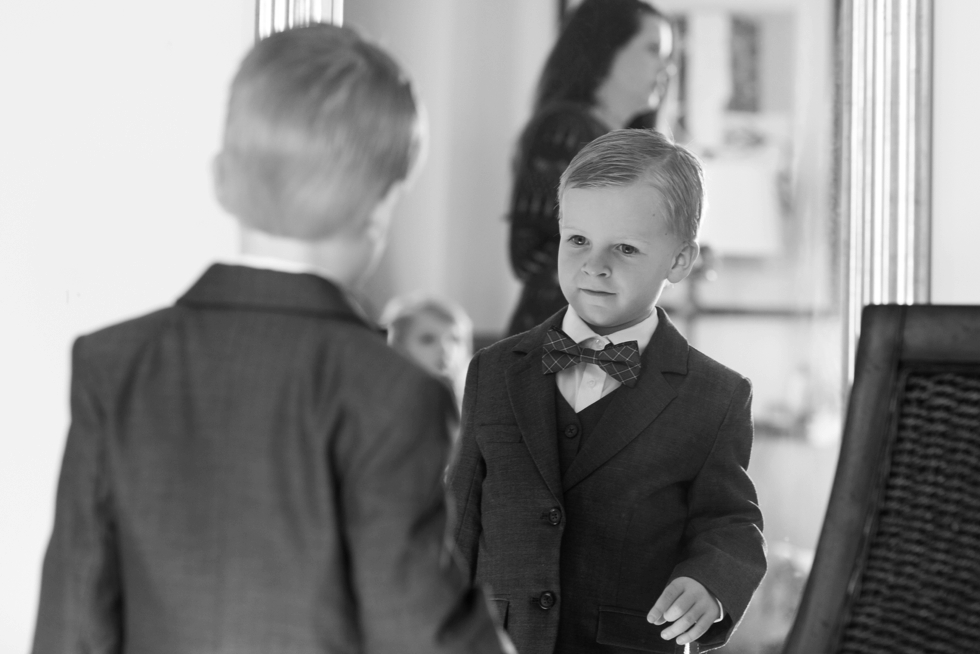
[621, 361]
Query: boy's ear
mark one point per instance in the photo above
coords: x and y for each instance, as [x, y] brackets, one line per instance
[683, 263]
[220, 179]
[381, 215]
[376, 222]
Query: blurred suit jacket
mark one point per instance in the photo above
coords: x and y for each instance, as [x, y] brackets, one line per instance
[253, 470]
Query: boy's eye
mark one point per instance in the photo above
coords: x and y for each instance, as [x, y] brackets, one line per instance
[627, 249]
[576, 240]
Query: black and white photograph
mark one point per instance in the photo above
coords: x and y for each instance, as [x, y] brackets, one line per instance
[490, 326]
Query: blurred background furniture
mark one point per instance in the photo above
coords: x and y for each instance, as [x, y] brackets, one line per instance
[897, 565]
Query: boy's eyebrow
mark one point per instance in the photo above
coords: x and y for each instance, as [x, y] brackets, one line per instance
[632, 238]
[620, 237]
[639, 239]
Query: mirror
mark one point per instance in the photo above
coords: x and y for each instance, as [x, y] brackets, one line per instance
[754, 98]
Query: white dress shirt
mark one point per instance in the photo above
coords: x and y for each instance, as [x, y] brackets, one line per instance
[586, 383]
[274, 263]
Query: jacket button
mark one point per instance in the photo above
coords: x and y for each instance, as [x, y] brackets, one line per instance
[554, 516]
[547, 600]
[571, 431]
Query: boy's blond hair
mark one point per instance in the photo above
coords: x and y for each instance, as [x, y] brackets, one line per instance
[626, 156]
[320, 125]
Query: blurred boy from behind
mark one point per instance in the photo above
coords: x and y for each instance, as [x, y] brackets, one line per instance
[253, 469]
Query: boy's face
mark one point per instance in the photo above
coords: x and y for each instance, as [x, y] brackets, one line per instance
[617, 252]
[433, 343]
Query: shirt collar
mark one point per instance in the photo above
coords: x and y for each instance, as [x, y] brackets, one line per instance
[275, 263]
[641, 332]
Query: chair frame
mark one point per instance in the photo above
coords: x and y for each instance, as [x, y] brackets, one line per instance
[894, 339]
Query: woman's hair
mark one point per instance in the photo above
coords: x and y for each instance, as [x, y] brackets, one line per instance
[589, 41]
[320, 125]
[625, 157]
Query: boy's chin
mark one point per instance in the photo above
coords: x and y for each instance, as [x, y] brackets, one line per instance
[603, 323]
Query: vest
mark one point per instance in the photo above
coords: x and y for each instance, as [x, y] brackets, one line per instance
[575, 428]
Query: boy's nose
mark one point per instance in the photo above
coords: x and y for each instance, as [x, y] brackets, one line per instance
[595, 267]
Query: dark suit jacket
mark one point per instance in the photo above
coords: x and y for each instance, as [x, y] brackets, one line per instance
[659, 490]
[253, 470]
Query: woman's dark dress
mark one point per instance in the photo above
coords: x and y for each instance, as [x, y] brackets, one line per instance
[550, 141]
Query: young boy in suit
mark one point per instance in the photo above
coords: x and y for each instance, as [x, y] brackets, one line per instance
[254, 469]
[601, 486]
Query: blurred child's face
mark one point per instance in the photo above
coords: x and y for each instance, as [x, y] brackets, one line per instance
[616, 254]
[433, 343]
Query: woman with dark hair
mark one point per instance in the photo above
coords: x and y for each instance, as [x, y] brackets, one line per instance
[610, 65]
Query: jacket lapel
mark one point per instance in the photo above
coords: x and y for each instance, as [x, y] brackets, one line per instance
[532, 397]
[633, 409]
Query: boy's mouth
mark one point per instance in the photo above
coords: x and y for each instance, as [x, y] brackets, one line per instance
[595, 293]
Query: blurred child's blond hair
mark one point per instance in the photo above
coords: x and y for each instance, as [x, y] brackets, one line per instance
[401, 311]
[321, 124]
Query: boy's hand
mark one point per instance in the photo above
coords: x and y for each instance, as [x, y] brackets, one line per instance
[687, 604]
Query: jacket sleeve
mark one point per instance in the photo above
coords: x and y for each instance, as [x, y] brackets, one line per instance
[466, 478]
[80, 602]
[725, 548]
[411, 594]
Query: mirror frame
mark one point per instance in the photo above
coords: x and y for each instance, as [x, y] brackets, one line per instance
[277, 15]
[885, 158]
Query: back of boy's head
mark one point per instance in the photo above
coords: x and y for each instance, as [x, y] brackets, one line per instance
[321, 124]
[628, 156]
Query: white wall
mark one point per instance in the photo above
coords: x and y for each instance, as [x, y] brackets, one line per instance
[111, 112]
[956, 154]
